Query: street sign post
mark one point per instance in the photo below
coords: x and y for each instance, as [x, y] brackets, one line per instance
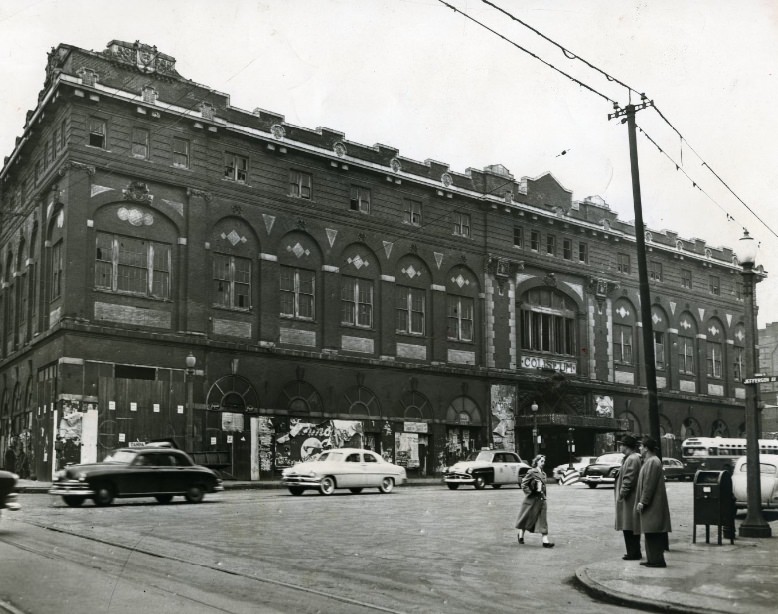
[765, 379]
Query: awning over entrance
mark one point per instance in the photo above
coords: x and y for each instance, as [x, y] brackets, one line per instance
[595, 423]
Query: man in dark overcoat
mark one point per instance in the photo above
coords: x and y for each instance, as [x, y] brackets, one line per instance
[625, 493]
[652, 511]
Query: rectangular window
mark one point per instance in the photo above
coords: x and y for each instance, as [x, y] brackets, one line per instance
[686, 279]
[567, 249]
[551, 245]
[132, 265]
[180, 152]
[232, 281]
[63, 135]
[547, 332]
[583, 253]
[659, 350]
[97, 133]
[300, 184]
[655, 271]
[622, 343]
[518, 236]
[460, 318]
[715, 285]
[738, 364]
[56, 270]
[57, 140]
[534, 240]
[140, 143]
[410, 310]
[412, 212]
[739, 288]
[298, 293]
[360, 199]
[236, 167]
[713, 352]
[622, 263]
[356, 297]
[462, 224]
[686, 355]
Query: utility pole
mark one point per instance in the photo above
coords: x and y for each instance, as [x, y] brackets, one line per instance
[645, 292]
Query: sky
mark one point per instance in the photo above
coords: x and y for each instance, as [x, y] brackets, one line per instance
[421, 77]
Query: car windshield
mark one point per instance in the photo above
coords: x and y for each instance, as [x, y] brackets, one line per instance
[330, 456]
[480, 456]
[609, 458]
[120, 457]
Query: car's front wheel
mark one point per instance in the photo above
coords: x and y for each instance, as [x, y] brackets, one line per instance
[452, 486]
[164, 498]
[356, 491]
[387, 485]
[479, 483]
[73, 501]
[327, 486]
[104, 495]
[195, 494]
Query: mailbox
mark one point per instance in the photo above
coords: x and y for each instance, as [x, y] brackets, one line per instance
[714, 503]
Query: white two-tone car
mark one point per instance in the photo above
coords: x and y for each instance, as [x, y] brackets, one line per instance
[350, 468]
[768, 480]
[492, 467]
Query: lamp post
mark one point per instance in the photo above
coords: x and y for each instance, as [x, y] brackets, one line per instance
[570, 446]
[535, 436]
[191, 361]
[754, 524]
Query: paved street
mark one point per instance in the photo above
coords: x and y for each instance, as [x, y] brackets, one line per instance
[421, 549]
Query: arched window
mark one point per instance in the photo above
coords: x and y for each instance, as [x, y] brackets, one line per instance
[738, 358]
[714, 349]
[623, 331]
[548, 322]
[659, 319]
[687, 337]
[461, 290]
[413, 280]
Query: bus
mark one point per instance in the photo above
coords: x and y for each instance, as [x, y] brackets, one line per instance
[719, 453]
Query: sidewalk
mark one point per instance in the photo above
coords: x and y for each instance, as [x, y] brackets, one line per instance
[739, 578]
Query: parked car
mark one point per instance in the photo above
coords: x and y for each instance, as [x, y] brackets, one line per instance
[8, 483]
[350, 468]
[675, 470]
[603, 470]
[153, 471]
[493, 467]
[578, 464]
[768, 472]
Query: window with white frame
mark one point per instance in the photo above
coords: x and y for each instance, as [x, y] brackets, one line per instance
[655, 270]
[232, 281]
[298, 293]
[132, 265]
[567, 249]
[180, 152]
[360, 199]
[583, 253]
[462, 224]
[622, 343]
[659, 350]
[412, 212]
[686, 279]
[460, 318]
[551, 245]
[518, 236]
[410, 310]
[236, 167]
[738, 363]
[97, 133]
[534, 240]
[714, 359]
[56, 270]
[300, 184]
[714, 285]
[686, 350]
[356, 299]
[622, 263]
[140, 143]
[548, 322]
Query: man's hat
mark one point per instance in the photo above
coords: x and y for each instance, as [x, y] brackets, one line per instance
[629, 441]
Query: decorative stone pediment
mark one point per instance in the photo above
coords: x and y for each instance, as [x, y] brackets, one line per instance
[139, 192]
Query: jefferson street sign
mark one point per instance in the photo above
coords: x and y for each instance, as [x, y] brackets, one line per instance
[766, 379]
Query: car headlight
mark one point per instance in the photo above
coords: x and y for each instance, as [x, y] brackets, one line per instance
[469, 470]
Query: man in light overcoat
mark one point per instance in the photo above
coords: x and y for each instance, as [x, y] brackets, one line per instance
[625, 493]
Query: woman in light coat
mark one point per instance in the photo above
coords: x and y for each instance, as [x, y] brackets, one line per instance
[652, 512]
[625, 494]
[532, 515]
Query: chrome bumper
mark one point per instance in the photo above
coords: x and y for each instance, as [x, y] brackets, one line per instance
[76, 489]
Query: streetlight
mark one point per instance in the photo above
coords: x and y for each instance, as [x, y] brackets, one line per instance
[191, 361]
[754, 525]
[570, 447]
[535, 436]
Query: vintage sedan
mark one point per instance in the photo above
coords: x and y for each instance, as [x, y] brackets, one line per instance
[579, 464]
[768, 479]
[158, 472]
[492, 467]
[604, 470]
[350, 468]
[675, 470]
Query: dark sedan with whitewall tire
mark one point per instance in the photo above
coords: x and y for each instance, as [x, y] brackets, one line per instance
[604, 470]
[483, 468]
[161, 473]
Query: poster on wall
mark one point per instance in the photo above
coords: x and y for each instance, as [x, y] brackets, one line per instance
[503, 417]
[265, 442]
[302, 440]
[406, 450]
[603, 408]
[69, 434]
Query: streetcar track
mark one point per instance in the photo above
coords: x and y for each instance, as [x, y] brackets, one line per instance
[279, 583]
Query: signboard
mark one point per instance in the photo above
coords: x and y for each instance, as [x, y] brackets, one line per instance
[540, 362]
[765, 379]
[415, 427]
[137, 444]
